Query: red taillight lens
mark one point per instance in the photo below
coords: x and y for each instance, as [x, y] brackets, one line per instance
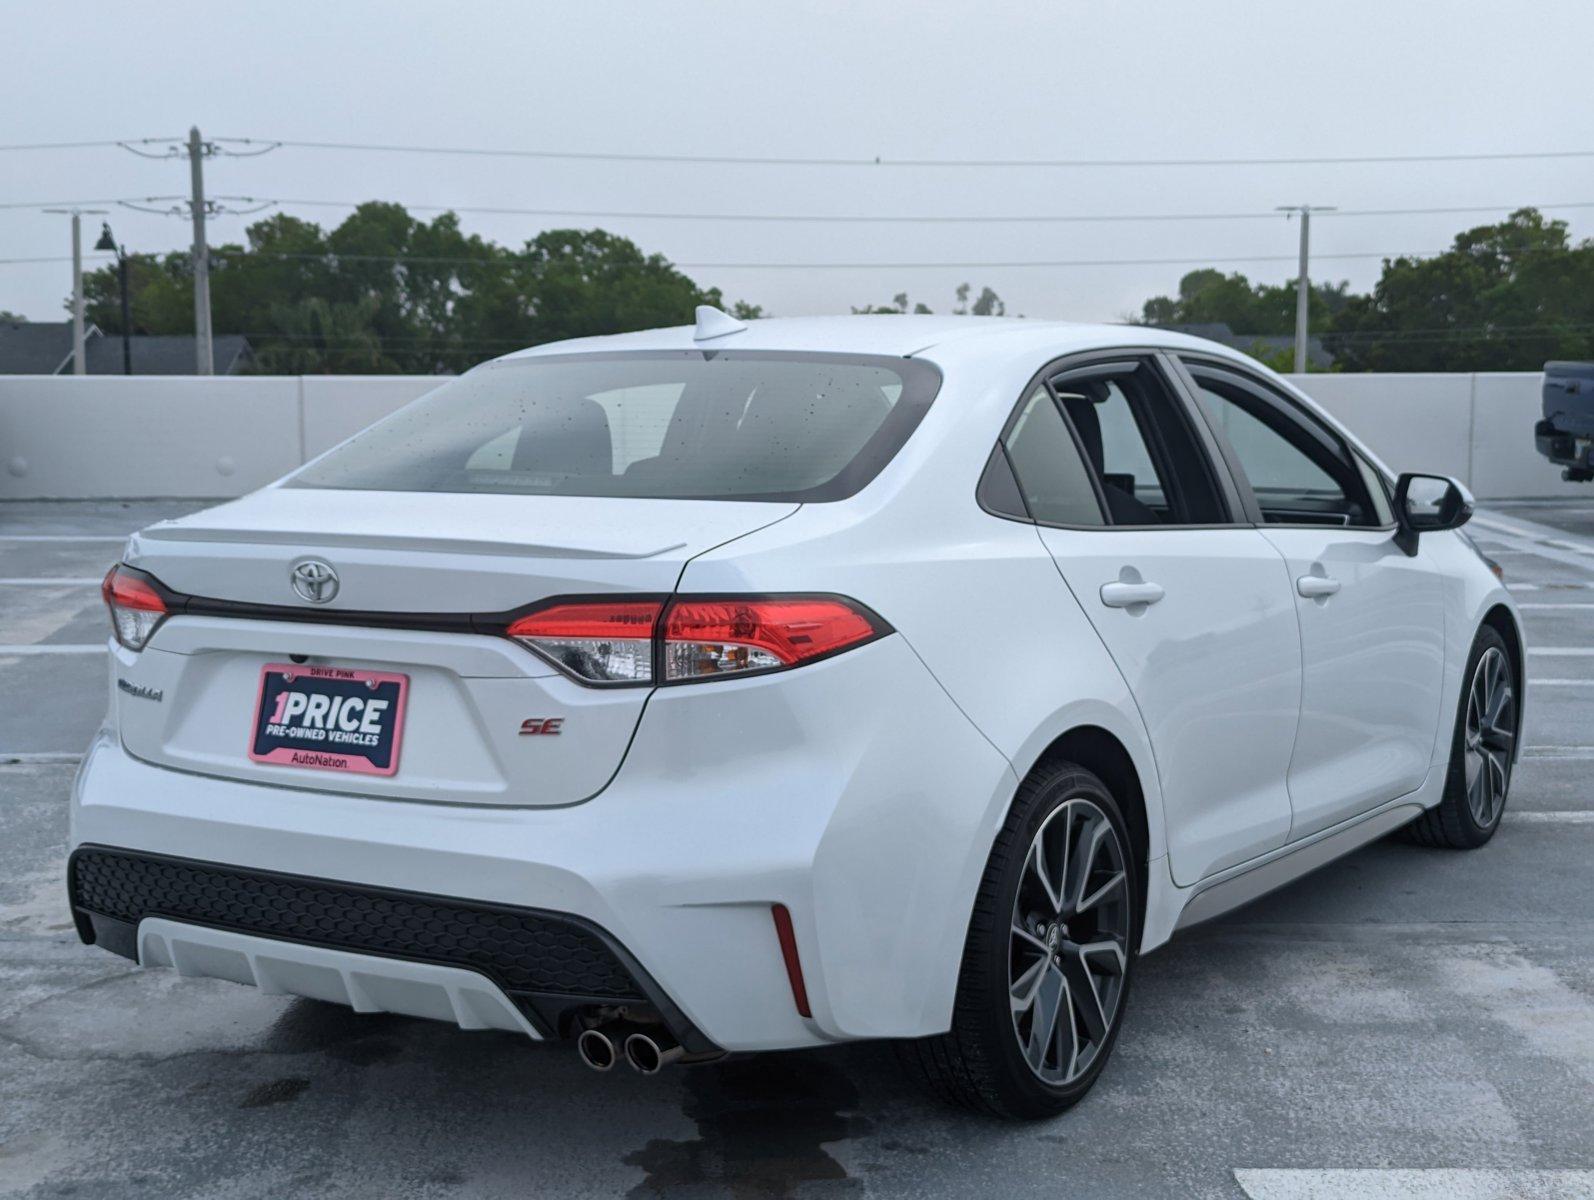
[617, 641]
[726, 636]
[135, 605]
[598, 641]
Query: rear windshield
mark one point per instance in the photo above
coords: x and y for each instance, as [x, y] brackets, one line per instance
[686, 425]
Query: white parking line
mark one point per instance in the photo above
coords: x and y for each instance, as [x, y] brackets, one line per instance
[1517, 540]
[1561, 682]
[30, 759]
[1563, 651]
[1523, 528]
[1435, 1183]
[61, 537]
[58, 581]
[64, 648]
[1567, 817]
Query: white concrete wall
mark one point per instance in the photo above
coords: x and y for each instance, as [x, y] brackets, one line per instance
[1478, 428]
[65, 437]
[88, 437]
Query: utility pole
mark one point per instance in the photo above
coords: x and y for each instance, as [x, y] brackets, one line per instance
[1303, 286]
[205, 360]
[79, 363]
[196, 149]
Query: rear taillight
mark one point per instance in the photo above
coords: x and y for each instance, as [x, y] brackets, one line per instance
[136, 605]
[728, 636]
[595, 641]
[693, 638]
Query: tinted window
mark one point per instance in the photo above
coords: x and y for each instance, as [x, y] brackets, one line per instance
[1299, 472]
[1137, 439]
[1051, 473]
[809, 427]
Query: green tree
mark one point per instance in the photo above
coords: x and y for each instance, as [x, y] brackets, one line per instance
[1209, 296]
[1504, 297]
[315, 337]
[989, 304]
[385, 291]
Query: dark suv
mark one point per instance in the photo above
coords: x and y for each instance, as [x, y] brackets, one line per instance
[1566, 434]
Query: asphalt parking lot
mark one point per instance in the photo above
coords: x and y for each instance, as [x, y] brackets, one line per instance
[1406, 1022]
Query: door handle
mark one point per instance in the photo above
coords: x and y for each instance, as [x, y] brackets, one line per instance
[1127, 595]
[1316, 587]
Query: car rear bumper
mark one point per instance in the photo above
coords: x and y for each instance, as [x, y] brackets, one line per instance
[1563, 447]
[481, 965]
[364, 982]
[853, 792]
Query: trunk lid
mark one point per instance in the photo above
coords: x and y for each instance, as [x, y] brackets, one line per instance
[406, 564]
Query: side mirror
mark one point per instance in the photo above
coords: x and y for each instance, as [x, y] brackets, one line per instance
[1427, 504]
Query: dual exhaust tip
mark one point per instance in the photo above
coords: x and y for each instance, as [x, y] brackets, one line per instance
[647, 1054]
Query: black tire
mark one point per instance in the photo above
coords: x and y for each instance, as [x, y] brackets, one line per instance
[1453, 823]
[979, 1062]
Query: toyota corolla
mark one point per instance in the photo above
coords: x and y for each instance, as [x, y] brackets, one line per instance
[744, 687]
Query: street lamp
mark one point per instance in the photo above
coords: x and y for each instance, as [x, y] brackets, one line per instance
[108, 242]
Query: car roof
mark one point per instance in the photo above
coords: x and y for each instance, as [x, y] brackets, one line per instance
[888, 334]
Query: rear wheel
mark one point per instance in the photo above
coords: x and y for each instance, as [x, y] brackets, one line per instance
[1481, 752]
[1046, 968]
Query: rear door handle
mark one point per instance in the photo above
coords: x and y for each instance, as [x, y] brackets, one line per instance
[1127, 595]
[1316, 587]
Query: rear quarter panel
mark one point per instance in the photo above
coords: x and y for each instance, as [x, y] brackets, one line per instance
[977, 597]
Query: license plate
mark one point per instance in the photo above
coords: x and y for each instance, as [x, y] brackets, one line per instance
[329, 718]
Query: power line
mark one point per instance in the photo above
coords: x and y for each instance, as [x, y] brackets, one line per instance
[139, 203]
[58, 203]
[445, 343]
[515, 263]
[899, 218]
[63, 145]
[984, 163]
[48, 258]
[511, 264]
[252, 145]
[969, 265]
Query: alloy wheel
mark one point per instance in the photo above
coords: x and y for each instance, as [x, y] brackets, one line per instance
[1069, 943]
[1489, 737]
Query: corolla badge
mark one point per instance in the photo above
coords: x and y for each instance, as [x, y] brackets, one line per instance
[314, 580]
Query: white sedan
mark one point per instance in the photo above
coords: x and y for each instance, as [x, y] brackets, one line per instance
[757, 686]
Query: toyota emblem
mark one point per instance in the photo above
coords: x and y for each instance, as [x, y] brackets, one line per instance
[314, 580]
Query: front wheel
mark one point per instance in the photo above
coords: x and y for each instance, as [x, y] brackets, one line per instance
[1481, 752]
[1046, 968]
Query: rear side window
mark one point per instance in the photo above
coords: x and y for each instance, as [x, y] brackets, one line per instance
[686, 425]
[1138, 439]
[1051, 473]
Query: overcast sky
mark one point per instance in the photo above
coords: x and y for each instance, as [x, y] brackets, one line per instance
[938, 80]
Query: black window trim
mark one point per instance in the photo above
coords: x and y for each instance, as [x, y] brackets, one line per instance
[1285, 406]
[1118, 359]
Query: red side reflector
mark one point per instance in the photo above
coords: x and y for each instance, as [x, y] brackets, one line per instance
[788, 951]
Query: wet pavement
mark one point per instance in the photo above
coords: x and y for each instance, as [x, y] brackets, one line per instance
[1422, 1018]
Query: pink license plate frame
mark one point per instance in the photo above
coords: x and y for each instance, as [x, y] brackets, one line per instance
[337, 750]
